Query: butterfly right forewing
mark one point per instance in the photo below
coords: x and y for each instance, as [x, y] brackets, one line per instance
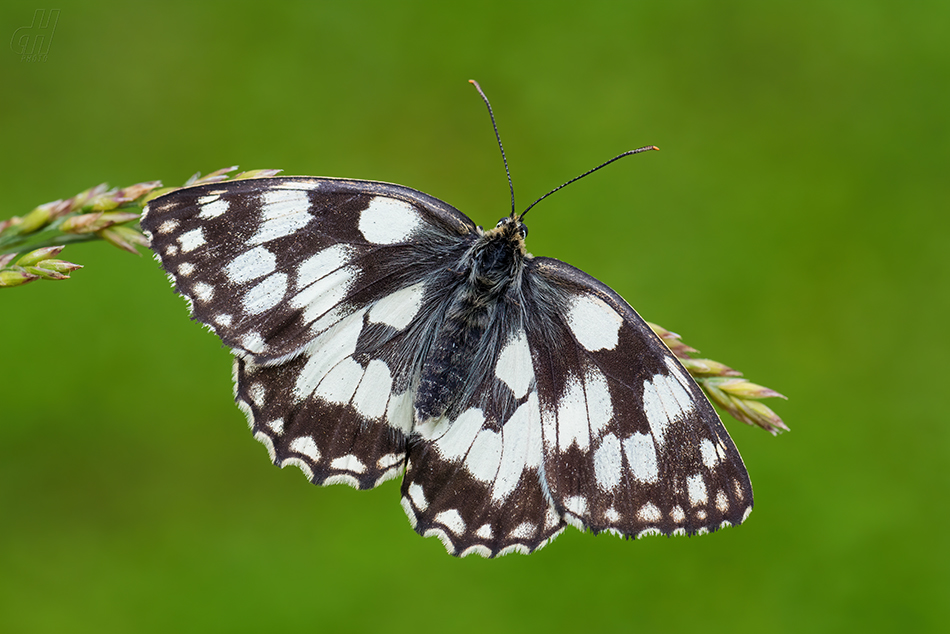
[631, 445]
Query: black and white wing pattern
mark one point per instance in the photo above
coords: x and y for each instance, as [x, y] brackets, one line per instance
[324, 290]
[630, 443]
[377, 330]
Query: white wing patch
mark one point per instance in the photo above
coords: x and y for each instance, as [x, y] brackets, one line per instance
[251, 265]
[306, 446]
[576, 504]
[340, 383]
[608, 463]
[285, 211]
[454, 440]
[696, 487]
[277, 426]
[191, 240]
[572, 426]
[374, 390]
[266, 294]
[167, 226]
[664, 402]
[600, 409]
[203, 292]
[252, 342]
[451, 520]
[514, 366]
[584, 410]
[399, 412]
[594, 323]
[523, 530]
[521, 447]
[388, 221]
[389, 460]
[641, 454]
[708, 451]
[399, 308]
[348, 462]
[212, 207]
[418, 497]
[649, 513]
[484, 455]
[722, 502]
[325, 294]
[322, 263]
[332, 347]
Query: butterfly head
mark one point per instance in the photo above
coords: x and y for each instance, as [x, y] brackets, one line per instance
[511, 228]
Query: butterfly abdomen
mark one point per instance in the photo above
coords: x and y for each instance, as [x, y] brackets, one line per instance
[445, 370]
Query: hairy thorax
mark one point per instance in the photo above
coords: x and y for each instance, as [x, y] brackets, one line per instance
[490, 274]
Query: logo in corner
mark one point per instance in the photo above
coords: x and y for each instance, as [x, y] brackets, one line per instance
[32, 42]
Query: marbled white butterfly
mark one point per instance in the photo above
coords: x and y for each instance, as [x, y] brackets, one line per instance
[376, 330]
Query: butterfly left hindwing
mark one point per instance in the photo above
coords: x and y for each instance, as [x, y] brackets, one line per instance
[376, 329]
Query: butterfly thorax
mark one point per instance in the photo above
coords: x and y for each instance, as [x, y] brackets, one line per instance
[491, 273]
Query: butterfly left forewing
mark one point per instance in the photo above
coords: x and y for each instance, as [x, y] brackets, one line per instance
[270, 263]
[631, 445]
[325, 289]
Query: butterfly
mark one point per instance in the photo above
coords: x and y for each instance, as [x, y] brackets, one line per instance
[377, 331]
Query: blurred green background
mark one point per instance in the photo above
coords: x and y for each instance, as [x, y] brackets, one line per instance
[794, 225]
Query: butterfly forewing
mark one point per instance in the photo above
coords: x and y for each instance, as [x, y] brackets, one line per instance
[269, 263]
[326, 290]
[631, 445]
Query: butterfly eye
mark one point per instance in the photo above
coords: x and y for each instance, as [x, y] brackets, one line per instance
[524, 231]
[501, 222]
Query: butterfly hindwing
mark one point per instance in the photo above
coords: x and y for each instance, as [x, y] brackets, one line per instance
[474, 478]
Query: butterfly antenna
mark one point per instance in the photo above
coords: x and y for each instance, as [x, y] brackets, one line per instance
[500, 146]
[588, 172]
